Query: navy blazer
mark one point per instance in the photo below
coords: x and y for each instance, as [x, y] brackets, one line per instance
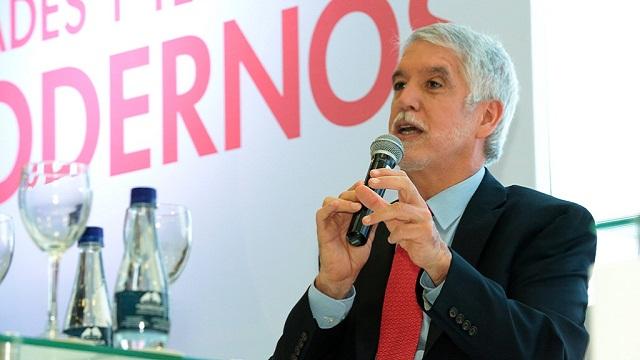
[516, 288]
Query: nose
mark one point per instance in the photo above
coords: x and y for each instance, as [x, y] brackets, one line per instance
[408, 98]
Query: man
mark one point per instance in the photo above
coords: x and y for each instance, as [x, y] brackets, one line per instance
[460, 267]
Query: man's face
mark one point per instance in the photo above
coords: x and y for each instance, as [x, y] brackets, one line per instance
[428, 110]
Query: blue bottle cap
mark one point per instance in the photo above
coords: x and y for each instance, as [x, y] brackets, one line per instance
[145, 195]
[92, 234]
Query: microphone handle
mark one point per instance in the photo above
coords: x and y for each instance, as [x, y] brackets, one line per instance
[358, 233]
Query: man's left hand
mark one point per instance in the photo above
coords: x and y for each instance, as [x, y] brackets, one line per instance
[409, 221]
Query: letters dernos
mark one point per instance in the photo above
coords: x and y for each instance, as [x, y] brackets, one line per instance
[282, 96]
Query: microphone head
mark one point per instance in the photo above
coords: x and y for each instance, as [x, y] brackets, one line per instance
[388, 144]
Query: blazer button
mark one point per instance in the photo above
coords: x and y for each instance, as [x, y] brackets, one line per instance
[453, 312]
[459, 318]
[473, 331]
[466, 325]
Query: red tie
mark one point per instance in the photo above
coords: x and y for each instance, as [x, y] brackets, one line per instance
[401, 315]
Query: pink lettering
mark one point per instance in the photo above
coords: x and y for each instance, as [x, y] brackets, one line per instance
[286, 106]
[420, 15]
[122, 108]
[46, 11]
[13, 97]
[17, 42]
[79, 81]
[1, 39]
[116, 8]
[184, 104]
[336, 110]
[79, 5]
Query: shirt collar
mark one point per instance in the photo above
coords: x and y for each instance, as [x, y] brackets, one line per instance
[448, 205]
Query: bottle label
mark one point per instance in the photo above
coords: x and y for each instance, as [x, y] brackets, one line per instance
[97, 334]
[142, 310]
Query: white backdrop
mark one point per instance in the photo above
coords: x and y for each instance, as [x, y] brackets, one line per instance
[253, 204]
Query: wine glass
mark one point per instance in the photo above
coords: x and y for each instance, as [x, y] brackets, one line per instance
[173, 226]
[6, 244]
[54, 200]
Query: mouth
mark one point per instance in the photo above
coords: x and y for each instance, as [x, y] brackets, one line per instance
[407, 130]
[405, 125]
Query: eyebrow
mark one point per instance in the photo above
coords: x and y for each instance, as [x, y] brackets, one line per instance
[426, 71]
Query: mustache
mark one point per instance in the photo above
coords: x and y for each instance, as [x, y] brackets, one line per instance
[406, 118]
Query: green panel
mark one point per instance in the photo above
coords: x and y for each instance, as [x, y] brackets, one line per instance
[16, 348]
[631, 220]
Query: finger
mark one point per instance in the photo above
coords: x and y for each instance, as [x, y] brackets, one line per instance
[387, 172]
[369, 198]
[341, 205]
[331, 206]
[356, 184]
[396, 180]
[408, 232]
[407, 191]
[326, 201]
[398, 211]
[349, 195]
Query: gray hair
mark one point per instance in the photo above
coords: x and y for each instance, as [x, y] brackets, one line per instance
[487, 68]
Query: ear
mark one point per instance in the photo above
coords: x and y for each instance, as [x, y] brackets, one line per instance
[491, 115]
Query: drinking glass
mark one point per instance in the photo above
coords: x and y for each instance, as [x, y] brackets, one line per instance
[6, 244]
[173, 226]
[54, 200]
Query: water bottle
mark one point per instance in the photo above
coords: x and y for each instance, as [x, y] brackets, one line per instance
[89, 312]
[141, 293]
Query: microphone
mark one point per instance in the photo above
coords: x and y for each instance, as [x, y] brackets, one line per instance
[386, 152]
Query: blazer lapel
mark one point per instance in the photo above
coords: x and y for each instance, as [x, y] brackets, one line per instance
[478, 219]
[476, 224]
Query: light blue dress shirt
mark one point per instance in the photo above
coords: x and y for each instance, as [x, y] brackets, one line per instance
[447, 207]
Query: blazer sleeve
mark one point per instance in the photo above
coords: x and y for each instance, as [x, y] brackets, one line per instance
[540, 312]
[303, 339]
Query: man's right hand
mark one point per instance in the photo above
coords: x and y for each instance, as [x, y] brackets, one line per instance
[340, 262]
